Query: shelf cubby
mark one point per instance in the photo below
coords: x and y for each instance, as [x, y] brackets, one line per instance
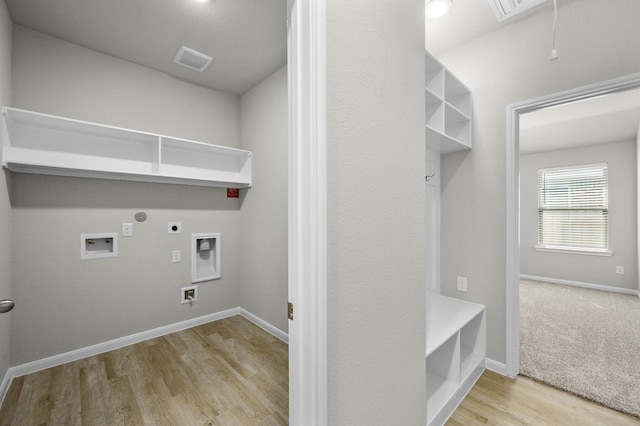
[46, 144]
[434, 111]
[455, 353]
[448, 107]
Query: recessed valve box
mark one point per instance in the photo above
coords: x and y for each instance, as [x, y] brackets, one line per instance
[97, 246]
[205, 257]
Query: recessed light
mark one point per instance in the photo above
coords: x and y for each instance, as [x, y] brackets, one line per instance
[437, 8]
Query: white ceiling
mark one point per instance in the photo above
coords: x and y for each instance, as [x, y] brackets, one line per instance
[610, 118]
[246, 38]
[470, 19]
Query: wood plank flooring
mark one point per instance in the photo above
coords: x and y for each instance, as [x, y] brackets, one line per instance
[228, 372]
[499, 400]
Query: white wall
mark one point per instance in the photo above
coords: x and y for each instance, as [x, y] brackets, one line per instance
[595, 42]
[64, 303]
[376, 212]
[263, 262]
[5, 206]
[601, 270]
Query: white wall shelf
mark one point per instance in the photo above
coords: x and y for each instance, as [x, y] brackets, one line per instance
[456, 352]
[448, 109]
[45, 144]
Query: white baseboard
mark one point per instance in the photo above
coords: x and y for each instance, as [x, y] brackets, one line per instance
[496, 366]
[265, 325]
[4, 386]
[53, 361]
[581, 284]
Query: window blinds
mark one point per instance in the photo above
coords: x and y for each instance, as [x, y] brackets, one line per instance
[573, 207]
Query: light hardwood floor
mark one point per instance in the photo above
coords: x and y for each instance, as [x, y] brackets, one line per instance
[228, 372]
[499, 400]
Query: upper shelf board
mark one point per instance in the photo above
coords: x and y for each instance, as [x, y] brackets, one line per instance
[46, 144]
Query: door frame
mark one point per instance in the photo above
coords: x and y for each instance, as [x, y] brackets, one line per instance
[307, 194]
[514, 110]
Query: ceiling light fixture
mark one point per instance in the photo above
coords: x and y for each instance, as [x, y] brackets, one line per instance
[437, 8]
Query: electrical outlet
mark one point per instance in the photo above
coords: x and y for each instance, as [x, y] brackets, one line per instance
[174, 228]
[620, 270]
[175, 256]
[188, 294]
[462, 283]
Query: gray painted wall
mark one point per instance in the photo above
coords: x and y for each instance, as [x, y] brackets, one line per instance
[5, 206]
[621, 158]
[376, 212]
[65, 303]
[507, 66]
[263, 217]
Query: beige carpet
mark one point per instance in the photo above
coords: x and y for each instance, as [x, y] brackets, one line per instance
[583, 341]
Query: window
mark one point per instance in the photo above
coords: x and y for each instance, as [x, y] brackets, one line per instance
[573, 208]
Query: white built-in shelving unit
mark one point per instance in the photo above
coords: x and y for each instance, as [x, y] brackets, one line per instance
[448, 109]
[456, 351]
[456, 329]
[46, 144]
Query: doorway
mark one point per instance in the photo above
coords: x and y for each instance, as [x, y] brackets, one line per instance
[514, 112]
[578, 247]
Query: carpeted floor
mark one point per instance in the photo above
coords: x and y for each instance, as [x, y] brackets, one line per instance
[583, 341]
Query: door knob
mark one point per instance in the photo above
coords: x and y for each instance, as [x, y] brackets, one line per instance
[6, 305]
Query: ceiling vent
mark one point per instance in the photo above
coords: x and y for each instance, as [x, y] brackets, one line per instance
[505, 9]
[192, 59]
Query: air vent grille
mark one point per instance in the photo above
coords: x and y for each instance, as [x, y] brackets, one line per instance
[505, 9]
[192, 59]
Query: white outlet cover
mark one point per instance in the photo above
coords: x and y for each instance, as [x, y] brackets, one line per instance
[127, 229]
[176, 256]
[174, 228]
[462, 283]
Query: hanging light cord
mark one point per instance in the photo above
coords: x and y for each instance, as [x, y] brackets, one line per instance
[554, 53]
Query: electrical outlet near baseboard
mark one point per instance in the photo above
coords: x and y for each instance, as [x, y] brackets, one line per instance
[620, 270]
[462, 283]
[188, 294]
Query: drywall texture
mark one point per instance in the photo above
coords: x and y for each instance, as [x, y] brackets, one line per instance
[376, 212]
[595, 43]
[263, 264]
[5, 205]
[55, 77]
[601, 270]
[67, 303]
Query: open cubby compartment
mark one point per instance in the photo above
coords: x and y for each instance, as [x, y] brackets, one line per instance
[442, 143]
[34, 140]
[434, 82]
[434, 111]
[473, 344]
[434, 75]
[457, 94]
[205, 162]
[457, 126]
[443, 375]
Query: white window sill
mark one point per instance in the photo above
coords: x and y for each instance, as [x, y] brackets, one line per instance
[588, 252]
